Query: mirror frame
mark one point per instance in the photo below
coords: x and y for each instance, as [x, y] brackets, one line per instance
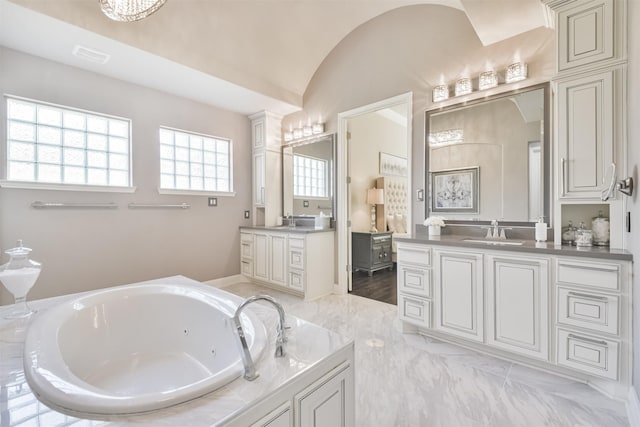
[332, 137]
[547, 155]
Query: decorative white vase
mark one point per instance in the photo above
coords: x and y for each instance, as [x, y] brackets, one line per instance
[434, 230]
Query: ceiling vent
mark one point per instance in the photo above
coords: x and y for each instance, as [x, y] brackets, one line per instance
[89, 54]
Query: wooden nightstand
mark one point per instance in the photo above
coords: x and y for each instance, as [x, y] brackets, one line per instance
[371, 251]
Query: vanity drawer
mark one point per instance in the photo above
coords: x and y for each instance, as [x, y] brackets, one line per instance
[246, 267]
[246, 237]
[296, 280]
[414, 310]
[416, 281]
[592, 274]
[588, 354]
[414, 254]
[246, 249]
[295, 242]
[598, 312]
[296, 258]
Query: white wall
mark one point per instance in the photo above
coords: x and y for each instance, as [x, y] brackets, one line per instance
[632, 239]
[371, 134]
[89, 249]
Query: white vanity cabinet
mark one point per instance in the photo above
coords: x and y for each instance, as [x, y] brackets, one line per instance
[459, 293]
[517, 289]
[549, 309]
[266, 168]
[283, 260]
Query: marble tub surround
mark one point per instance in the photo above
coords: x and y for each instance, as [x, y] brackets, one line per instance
[309, 347]
[412, 380]
[421, 235]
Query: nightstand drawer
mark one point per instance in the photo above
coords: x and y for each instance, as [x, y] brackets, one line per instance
[414, 310]
[598, 312]
[585, 353]
[416, 281]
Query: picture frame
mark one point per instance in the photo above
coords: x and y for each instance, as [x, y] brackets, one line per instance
[391, 165]
[455, 190]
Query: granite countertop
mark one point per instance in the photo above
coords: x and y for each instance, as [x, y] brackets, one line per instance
[308, 345]
[531, 246]
[302, 229]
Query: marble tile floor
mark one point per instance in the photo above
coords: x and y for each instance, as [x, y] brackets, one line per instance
[410, 380]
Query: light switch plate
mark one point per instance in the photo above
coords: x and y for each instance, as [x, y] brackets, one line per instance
[213, 201]
[246, 214]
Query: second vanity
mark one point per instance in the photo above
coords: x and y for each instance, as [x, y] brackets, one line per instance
[562, 309]
[298, 260]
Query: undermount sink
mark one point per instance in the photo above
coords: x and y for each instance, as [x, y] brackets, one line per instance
[496, 242]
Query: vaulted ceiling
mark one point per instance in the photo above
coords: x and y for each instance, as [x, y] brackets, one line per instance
[270, 48]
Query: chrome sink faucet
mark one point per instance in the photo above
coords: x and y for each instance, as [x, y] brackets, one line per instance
[250, 373]
[495, 231]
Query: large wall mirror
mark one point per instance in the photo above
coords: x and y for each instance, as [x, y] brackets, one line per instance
[308, 176]
[490, 159]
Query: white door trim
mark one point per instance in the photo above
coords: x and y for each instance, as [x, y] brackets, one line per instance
[344, 257]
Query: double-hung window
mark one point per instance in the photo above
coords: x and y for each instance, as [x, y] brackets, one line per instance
[310, 177]
[191, 161]
[55, 144]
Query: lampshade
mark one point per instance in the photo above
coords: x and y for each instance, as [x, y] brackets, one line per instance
[130, 10]
[375, 196]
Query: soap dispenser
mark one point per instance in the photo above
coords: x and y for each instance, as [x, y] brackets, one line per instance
[541, 230]
[18, 276]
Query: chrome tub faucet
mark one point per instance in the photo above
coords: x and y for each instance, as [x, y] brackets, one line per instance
[250, 373]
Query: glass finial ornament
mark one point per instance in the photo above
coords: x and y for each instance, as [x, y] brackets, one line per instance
[18, 276]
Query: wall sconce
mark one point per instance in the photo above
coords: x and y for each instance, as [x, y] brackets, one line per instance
[440, 93]
[487, 80]
[375, 196]
[463, 87]
[516, 72]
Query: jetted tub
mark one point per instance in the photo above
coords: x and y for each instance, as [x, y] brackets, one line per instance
[136, 348]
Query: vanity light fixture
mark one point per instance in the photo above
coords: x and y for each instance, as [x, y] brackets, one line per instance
[307, 130]
[516, 72]
[318, 128]
[487, 80]
[297, 133]
[288, 136]
[440, 93]
[463, 87]
[129, 10]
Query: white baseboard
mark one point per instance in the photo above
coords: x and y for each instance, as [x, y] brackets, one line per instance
[633, 408]
[223, 282]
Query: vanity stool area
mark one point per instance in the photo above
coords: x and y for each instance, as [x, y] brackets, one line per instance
[556, 308]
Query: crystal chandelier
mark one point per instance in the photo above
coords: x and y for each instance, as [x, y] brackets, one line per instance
[129, 10]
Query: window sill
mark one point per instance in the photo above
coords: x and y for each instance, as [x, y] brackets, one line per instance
[167, 191]
[26, 185]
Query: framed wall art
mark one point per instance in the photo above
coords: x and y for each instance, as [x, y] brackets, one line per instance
[391, 165]
[455, 190]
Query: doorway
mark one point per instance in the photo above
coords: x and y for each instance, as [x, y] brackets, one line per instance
[374, 150]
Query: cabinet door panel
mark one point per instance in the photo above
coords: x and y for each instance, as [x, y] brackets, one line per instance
[585, 134]
[280, 417]
[259, 178]
[517, 305]
[278, 270]
[261, 256]
[460, 294]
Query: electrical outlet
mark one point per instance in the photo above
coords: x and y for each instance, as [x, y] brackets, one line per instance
[213, 201]
[246, 214]
[305, 203]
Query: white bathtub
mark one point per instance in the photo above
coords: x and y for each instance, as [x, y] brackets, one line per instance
[136, 348]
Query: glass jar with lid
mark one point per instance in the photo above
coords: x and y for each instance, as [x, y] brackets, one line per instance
[569, 234]
[584, 237]
[601, 230]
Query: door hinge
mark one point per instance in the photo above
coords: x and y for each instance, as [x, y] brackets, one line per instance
[348, 135]
[348, 180]
[349, 223]
[348, 268]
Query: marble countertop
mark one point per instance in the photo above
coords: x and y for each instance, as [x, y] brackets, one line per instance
[602, 252]
[302, 229]
[308, 345]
